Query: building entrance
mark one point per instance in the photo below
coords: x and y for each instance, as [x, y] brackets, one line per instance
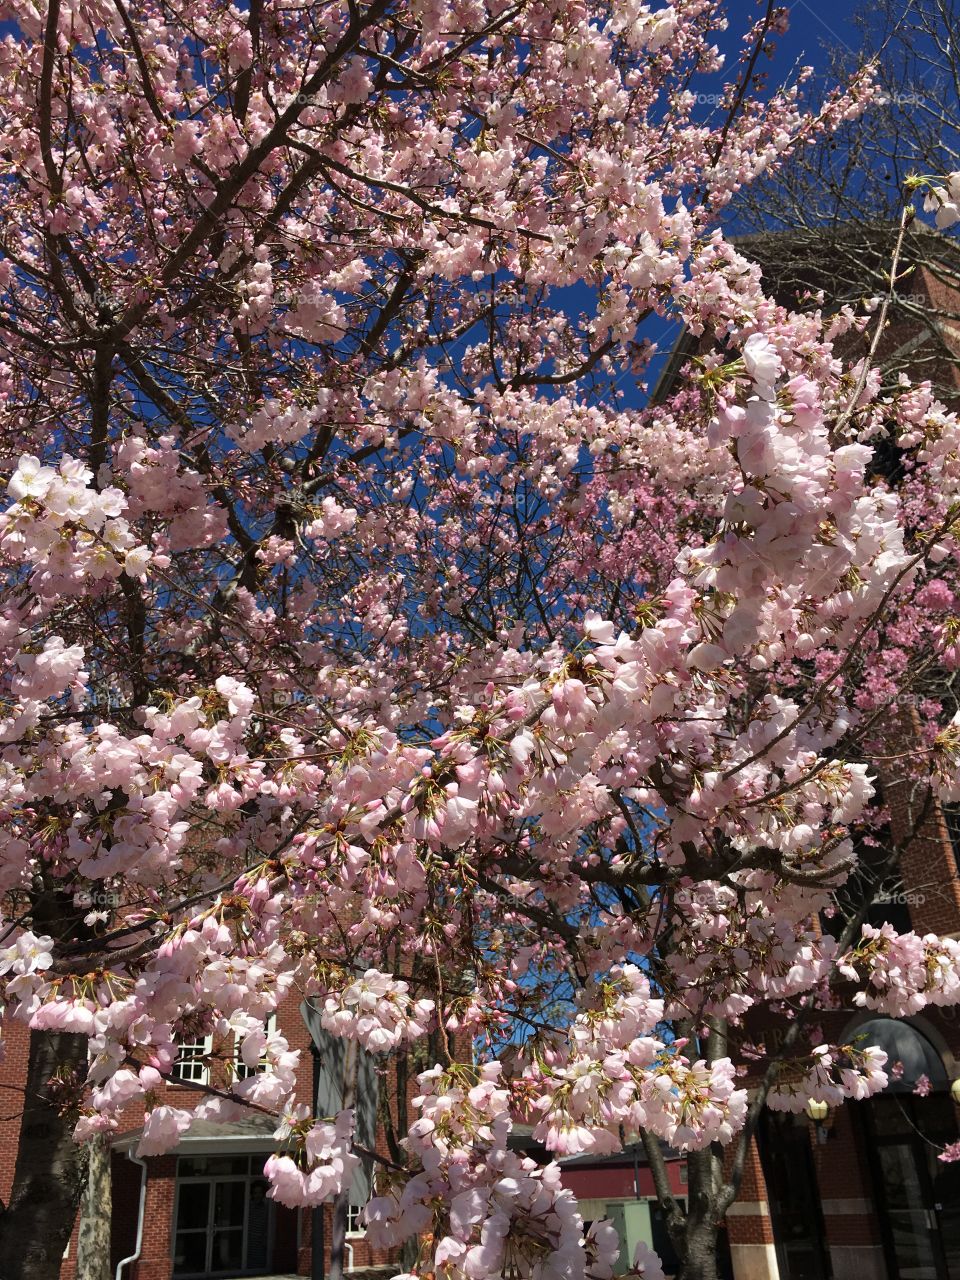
[917, 1195]
[793, 1197]
[223, 1224]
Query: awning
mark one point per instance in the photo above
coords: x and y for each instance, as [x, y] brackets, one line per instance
[205, 1137]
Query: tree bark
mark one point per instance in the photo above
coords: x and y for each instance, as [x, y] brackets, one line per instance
[93, 1246]
[705, 1184]
[700, 1262]
[35, 1227]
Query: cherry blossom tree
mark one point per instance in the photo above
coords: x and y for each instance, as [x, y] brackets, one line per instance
[837, 204]
[368, 631]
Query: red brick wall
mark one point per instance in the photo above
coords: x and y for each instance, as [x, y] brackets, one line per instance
[749, 1223]
[13, 1074]
[928, 865]
[618, 1182]
[843, 1176]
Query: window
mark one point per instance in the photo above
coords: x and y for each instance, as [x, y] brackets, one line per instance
[191, 1064]
[241, 1070]
[355, 1223]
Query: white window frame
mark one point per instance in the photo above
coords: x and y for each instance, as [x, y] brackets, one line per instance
[356, 1229]
[190, 1065]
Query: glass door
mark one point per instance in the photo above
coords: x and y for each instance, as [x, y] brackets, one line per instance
[793, 1196]
[223, 1219]
[190, 1250]
[911, 1222]
[946, 1205]
[258, 1227]
[918, 1195]
[226, 1229]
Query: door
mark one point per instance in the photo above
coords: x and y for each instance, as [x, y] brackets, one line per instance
[910, 1217]
[918, 1195]
[223, 1222]
[226, 1229]
[946, 1205]
[794, 1198]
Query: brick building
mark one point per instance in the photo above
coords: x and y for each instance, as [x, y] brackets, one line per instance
[202, 1209]
[860, 1194]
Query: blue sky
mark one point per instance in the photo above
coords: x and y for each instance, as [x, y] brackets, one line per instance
[815, 26]
[813, 23]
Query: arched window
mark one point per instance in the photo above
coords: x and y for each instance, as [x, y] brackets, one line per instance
[910, 1055]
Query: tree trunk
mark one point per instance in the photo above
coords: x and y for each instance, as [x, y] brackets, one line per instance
[697, 1246]
[93, 1246]
[35, 1227]
[700, 1260]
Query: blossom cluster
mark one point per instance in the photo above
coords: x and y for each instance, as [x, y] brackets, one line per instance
[71, 531]
[490, 1210]
[832, 1075]
[376, 1010]
[321, 1166]
[943, 199]
[616, 1073]
[902, 973]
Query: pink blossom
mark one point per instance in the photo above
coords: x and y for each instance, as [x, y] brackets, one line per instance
[162, 1129]
[646, 1262]
[761, 360]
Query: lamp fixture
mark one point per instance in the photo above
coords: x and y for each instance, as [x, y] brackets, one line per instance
[818, 1111]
